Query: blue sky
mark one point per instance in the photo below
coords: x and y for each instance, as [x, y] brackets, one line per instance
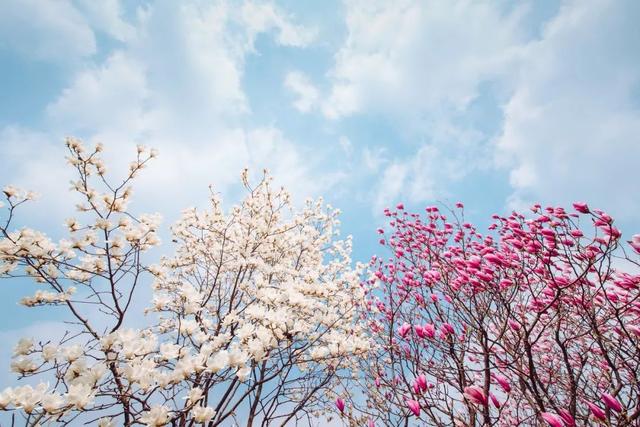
[368, 103]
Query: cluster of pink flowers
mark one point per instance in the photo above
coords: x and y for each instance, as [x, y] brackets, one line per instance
[536, 321]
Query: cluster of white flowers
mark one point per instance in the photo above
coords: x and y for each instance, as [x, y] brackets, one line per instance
[46, 297]
[40, 399]
[247, 287]
[261, 297]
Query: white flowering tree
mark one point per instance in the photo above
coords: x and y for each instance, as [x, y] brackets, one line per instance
[253, 318]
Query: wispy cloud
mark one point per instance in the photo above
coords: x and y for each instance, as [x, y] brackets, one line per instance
[571, 127]
[307, 95]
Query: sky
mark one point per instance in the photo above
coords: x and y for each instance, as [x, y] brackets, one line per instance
[367, 103]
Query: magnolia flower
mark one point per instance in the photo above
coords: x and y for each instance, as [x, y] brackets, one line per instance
[514, 325]
[28, 398]
[237, 357]
[475, 395]
[23, 347]
[169, 351]
[10, 191]
[581, 207]
[6, 397]
[202, 414]
[218, 362]
[243, 373]
[447, 329]
[79, 395]
[421, 382]
[51, 402]
[495, 400]
[567, 418]
[106, 422]
[75, 372]
[611, 402]
[552, 419]
[256, 349]
[156, 416]
[504, 383]
[429, 330]
[49, 352]
[414, 405]
[23, 365]
[194, 395]
[73, 352]
[404, 329]
[96, 372]
[340, 405]
[596, 411]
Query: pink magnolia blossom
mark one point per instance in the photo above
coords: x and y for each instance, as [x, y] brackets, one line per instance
[581, 207]
[340, 405]
[495, 400]
[475, 395]
[414, 405]
[504, 383]
[552, 419]
[447, 329]
[635, 243]
[426, 331]
[404, 329]
[421, 382]
[596, 411]
[567, 417]
[611, 402]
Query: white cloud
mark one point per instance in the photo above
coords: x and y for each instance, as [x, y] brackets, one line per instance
[571, 128]
[46, 30]
[374, 158]
[409, 58]
[306, 93]
[391, 186]
[345, 145]
[265, 17]
[425, 175]
[112, 94]
[32, 162]
[420, 65]
[107, 16]
[290, 165]
[176, 86]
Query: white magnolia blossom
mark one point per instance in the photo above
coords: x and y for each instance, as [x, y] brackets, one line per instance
[257, 305]
[106, 422]
[156, 416]
[23, 347]
[80, 395]
[202, 414]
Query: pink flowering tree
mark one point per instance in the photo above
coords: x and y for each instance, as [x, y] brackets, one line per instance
[536, 322]
[252, 320]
